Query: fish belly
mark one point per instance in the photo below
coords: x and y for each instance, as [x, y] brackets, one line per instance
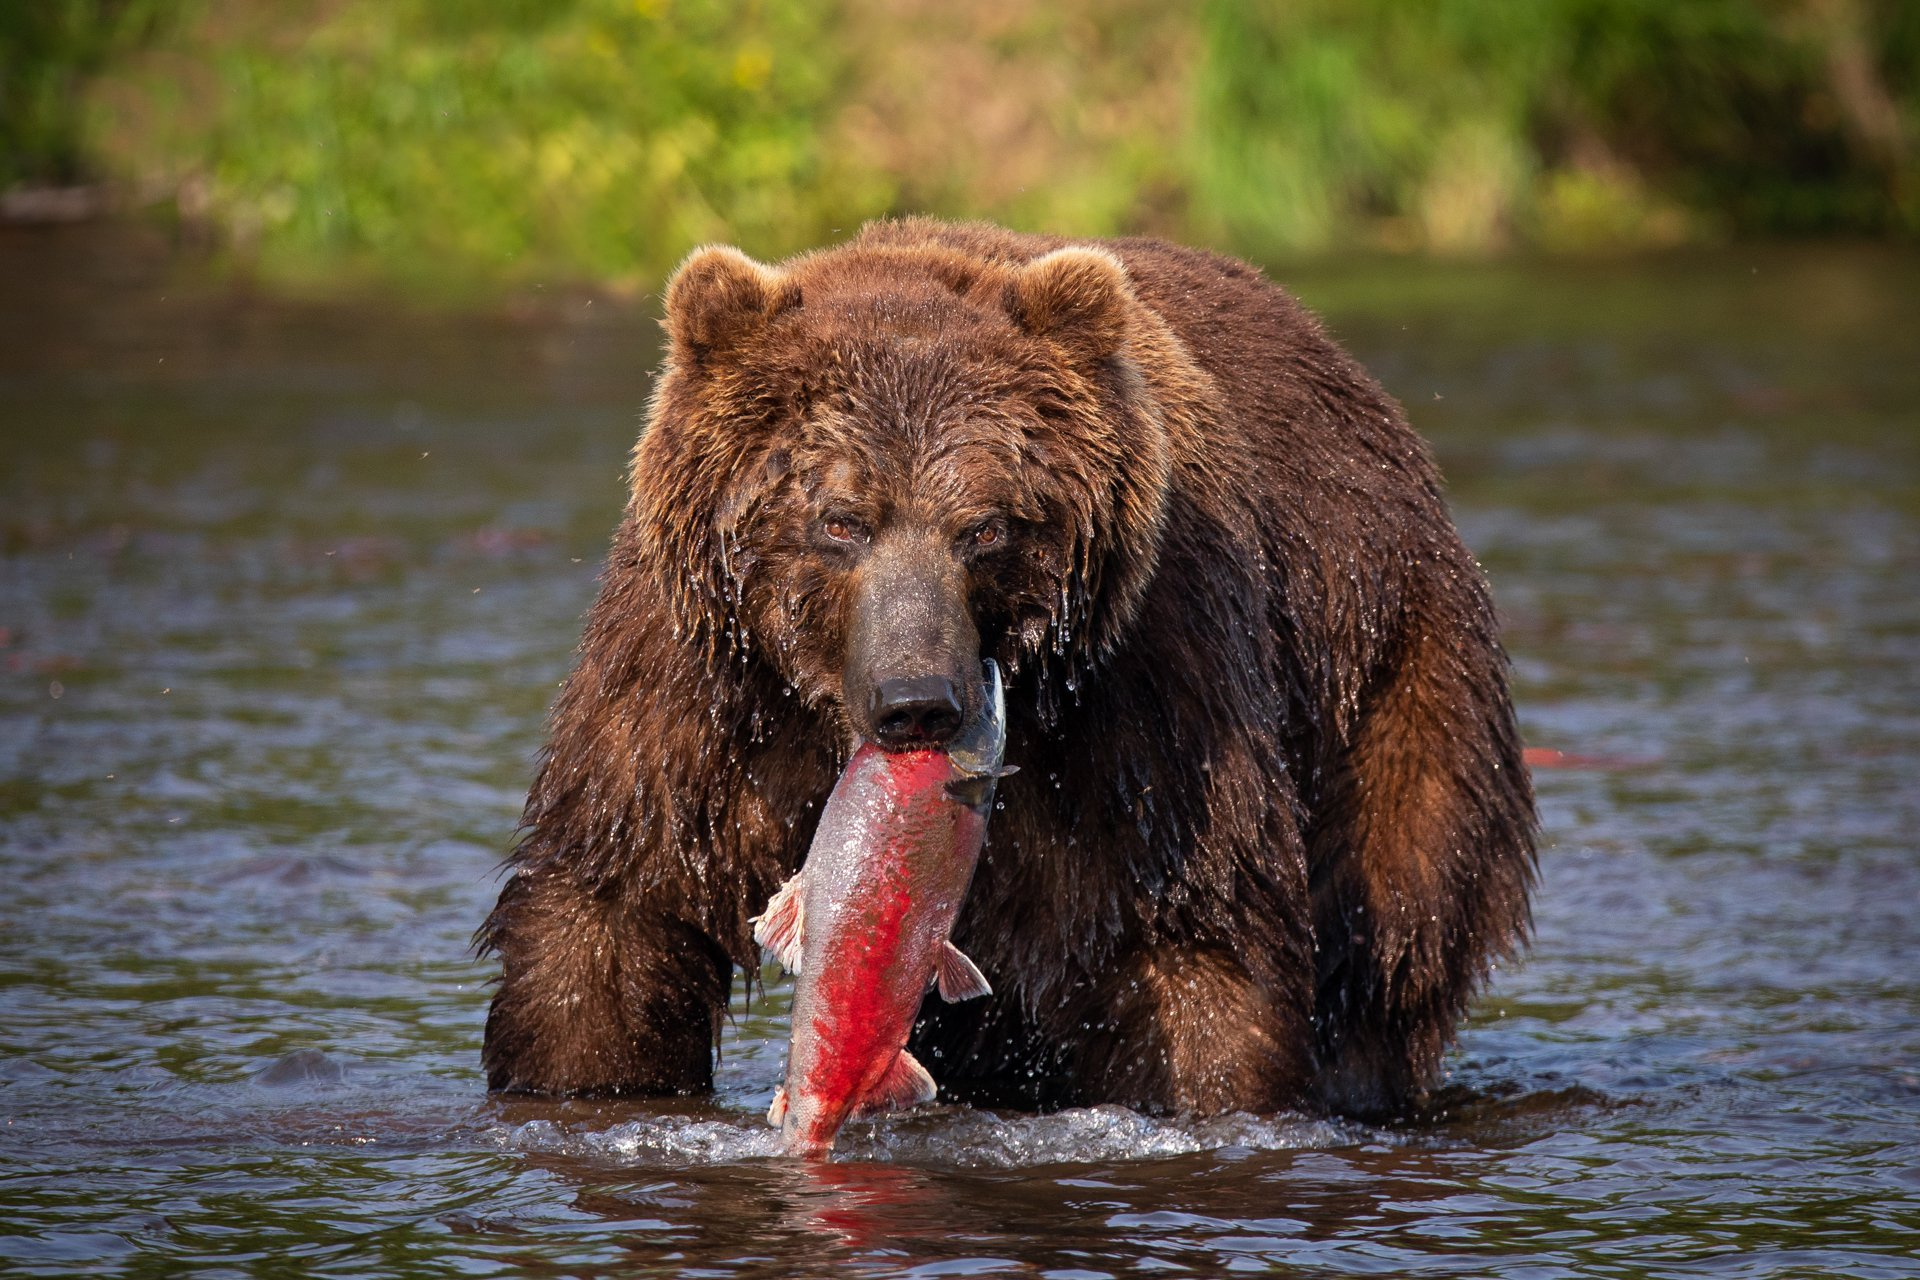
[881, 897]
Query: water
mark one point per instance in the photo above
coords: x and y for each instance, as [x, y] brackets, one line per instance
[285, 588]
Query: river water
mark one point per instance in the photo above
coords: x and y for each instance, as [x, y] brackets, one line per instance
[285, 589]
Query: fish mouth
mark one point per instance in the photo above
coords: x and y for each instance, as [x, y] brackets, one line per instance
[977, 751]
[976, 754]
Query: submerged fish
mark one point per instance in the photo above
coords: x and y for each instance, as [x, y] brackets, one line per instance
[864, 925]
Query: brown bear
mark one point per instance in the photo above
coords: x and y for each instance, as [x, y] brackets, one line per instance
[1271, 825]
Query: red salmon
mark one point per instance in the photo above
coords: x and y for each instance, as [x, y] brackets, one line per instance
[864, 925]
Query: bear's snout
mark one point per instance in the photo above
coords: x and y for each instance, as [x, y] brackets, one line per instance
[920, 711]
[913, 652]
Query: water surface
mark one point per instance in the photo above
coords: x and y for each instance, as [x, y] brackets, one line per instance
[284, 592]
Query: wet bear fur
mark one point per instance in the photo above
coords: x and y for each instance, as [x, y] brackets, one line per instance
[1271, 826]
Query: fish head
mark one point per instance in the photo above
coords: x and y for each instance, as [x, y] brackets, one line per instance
[980, 746]
[976, 754]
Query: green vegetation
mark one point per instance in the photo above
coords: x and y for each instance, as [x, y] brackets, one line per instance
[47, 50]
[598, 138]
[502, 140]
[1476, 123]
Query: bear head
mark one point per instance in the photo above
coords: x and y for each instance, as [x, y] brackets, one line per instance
[875, 465]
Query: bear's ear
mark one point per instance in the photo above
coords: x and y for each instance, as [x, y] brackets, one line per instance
[1078, 297]
[719, 298]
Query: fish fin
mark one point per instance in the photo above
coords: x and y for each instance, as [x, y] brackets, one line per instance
[906, 1084]
[1007, 771]
[782, 927]
[778, 1111]
[973, 792]
[958, 977]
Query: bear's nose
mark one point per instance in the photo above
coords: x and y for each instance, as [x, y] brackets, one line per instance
[920, 711]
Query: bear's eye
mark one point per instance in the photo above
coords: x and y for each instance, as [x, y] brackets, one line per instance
[988, 533]
[844, 529]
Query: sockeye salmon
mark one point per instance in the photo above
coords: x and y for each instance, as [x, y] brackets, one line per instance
[863, 926]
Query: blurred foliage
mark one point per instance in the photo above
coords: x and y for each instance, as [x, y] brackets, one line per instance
[508, 137]
[600, 139]
[1475, 123]
[47, 50]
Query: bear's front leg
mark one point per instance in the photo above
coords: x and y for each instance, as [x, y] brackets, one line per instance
[599, 994]
[1422, 856]
[1192, 1031]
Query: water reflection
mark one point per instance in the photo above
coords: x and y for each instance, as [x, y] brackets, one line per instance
[865, 1207]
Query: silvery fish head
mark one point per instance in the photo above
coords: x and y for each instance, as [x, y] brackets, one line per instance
[977, 752]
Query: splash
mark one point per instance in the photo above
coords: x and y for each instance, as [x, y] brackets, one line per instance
[984, 1139]
[658, 1140]
[952, 1137]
